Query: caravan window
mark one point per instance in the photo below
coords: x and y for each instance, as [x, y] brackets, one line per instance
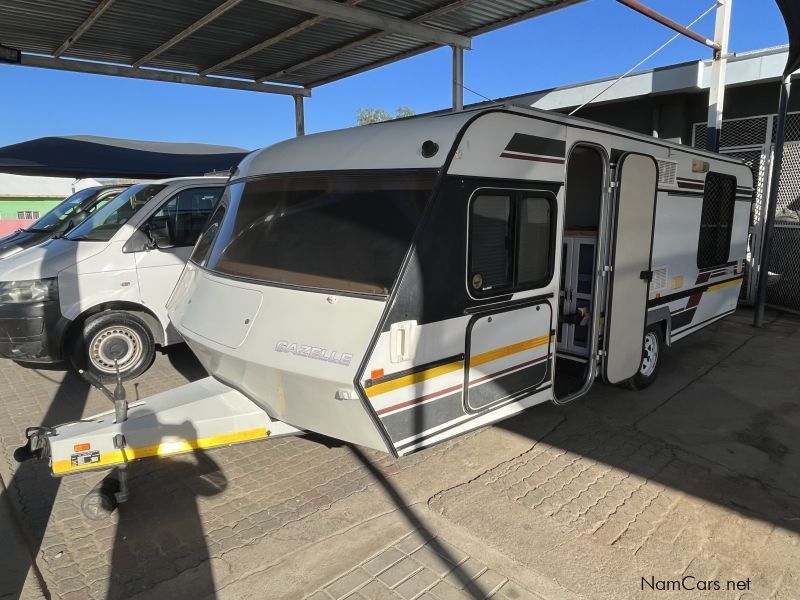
[511, 240]
[337, 231]
[716, 221]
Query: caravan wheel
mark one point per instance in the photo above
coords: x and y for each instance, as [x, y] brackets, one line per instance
[652, 351]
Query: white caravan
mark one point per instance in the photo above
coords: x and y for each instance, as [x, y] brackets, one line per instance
[402, 283]
[96, 295]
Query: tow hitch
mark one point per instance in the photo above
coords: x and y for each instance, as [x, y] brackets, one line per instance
[35, 446]
[199, 415]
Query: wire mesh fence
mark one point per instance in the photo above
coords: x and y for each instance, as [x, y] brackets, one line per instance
[750, 139]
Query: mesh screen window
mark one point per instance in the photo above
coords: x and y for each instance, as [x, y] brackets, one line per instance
[716, 221]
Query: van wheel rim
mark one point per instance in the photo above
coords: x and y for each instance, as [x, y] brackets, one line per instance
[115, 342]
[649, 355]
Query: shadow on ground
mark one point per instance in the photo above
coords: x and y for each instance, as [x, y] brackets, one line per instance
[722, 423]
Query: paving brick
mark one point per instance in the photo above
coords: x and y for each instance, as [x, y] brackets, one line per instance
[416, 584]
[445, 591]
[490, 581]
[412, 541]
[347, 584]
[383, 561]
[398, 572]
[375, 590]
[513, 591]
[433, 561]
[465, 572]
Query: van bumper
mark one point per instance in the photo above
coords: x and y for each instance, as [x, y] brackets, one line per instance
[32, 332]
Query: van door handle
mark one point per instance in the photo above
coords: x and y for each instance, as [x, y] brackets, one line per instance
[646, 275]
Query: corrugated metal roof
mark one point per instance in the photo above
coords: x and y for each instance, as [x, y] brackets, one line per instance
[316, 50]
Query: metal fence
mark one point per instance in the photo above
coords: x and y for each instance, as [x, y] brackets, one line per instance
[750, 139]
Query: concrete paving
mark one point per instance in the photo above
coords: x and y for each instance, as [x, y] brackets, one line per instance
[696, 478]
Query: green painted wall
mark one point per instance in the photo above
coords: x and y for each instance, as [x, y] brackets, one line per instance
[10, 206]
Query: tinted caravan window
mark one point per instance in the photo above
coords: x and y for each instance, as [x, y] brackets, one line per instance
[339, 231]
[511, 243]
[716, 221]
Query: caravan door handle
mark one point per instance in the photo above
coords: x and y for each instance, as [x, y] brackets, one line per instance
[646, 275]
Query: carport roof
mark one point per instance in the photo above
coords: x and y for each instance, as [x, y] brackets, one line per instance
[279, 46]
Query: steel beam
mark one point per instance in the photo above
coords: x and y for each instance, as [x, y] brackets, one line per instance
[201, 22]
[458, 79]
[772, 202]
[375, 20]
[95, 68]
[719, 67]
[427, 47]
[432, 14]
[271, 41]
[101, 7]
[651, 14]
[299, 116]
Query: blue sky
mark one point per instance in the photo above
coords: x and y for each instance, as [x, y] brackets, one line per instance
[594, 39]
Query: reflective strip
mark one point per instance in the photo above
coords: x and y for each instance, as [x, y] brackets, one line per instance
[164, 449]
[479, 359]
[725, 284]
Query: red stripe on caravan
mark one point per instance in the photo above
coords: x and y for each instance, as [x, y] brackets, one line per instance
[544, 159]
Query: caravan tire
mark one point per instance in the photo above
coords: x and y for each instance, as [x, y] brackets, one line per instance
[110, 335]
[652, 353]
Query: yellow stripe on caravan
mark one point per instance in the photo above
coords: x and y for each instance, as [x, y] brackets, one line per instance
[479, 359]
[118, 457]
[406, 380]
[725, 284]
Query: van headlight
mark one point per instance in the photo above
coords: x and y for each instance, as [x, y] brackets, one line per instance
[30, 290]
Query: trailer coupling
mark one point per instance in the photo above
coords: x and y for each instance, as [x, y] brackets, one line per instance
[36, 444]
[197, 416]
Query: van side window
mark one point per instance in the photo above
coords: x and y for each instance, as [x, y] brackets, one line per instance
[511, 241]
[184, 215]
[716, 221]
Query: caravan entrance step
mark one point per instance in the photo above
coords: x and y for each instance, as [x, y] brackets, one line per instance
[199, 415]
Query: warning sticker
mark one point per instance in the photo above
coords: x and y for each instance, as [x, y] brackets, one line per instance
[85, 458]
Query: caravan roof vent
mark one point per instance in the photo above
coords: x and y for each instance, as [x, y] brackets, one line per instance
[667, 172]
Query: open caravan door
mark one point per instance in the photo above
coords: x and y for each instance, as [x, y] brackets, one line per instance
[632, 243]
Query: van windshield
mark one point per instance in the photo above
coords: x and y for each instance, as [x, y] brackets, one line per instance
[336, 231]
[102, 225]
[71, 209]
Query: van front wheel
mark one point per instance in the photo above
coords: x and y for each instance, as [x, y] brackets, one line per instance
[114, 338]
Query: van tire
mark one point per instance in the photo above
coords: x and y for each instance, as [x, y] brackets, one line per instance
[113, 334]
[652, 355]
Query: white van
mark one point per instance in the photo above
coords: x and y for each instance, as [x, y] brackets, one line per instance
[96, 296]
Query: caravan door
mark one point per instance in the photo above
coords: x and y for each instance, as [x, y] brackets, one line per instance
[630, 260]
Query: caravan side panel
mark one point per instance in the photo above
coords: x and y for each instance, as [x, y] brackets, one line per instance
[475, 360]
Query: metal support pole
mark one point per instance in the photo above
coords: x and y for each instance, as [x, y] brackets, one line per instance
[772, 202]
[458, 79]
[299, 116]
[719, 66]
[651, 14]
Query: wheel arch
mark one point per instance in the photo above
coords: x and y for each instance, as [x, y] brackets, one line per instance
[662, 317]
[149, 317]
